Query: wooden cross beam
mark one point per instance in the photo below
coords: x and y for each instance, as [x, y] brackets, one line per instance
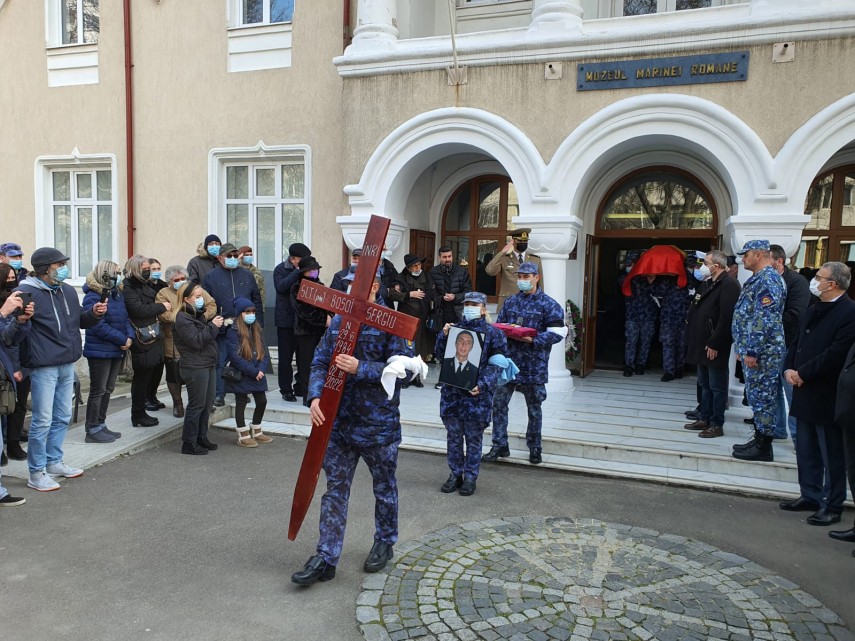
[355, 311]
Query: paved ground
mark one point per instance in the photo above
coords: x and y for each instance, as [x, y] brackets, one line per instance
[161, 546]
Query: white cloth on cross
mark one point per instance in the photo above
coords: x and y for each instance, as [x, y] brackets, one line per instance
[399, 367]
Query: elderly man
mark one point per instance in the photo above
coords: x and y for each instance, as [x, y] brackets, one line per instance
[758, 333]
[812, 367]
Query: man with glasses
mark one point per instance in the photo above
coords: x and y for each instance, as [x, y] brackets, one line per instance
[758, 333]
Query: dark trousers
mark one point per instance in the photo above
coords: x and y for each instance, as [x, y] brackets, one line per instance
[306, 345]
[241, 400]
[464, 440]
[849, 451]
[102, 381]
[822, 464]
[712, 382]
[201, 390]
[140, 386]
[15, 420]
[222, 357]
[287, 346]
[154, 383]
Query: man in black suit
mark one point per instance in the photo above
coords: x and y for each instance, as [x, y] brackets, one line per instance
[812, 366]
[457, 370]
[844, 415]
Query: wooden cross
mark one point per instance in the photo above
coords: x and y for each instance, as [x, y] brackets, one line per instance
[355, 311]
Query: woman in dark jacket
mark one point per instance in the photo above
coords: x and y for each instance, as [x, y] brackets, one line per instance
[310, 323]
[157, 283]
[196, 340]
[146, 352]
[106, 344]
[248, 355]
[15, 420]
[412, 293]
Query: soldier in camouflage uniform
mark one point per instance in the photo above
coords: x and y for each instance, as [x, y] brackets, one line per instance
[467, 413]
[529, 308]
[639, 325]
[368, 426]
[758, 335]
[674, 301]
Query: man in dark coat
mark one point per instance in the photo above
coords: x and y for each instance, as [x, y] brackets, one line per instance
[844, 416]
[798, 299]
[205, 259]
[284, 277]
[412, 290]
[310, 322]
[338, 282]
[450, 282]
[709, 339]
[813, 366]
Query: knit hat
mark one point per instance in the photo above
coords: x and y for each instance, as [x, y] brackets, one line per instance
[211, 238]
[242, 304]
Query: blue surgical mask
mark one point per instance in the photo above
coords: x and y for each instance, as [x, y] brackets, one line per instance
[179, 284]
[156, 275]
[16, 264]
[61, 273]
[231, 263]
[524, 285]
[199, 303]
[353, 267]
[247, 260]
[249, 319]
[214, 250]
[471, 312]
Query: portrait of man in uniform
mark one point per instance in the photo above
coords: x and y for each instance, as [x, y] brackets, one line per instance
[462, 355]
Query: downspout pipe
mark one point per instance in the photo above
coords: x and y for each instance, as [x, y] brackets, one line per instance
[129, 126]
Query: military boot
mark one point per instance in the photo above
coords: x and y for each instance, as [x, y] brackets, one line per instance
[760, 451]
[746, 446]
[496, 452]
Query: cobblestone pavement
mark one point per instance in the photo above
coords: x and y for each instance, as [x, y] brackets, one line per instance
[536, 578]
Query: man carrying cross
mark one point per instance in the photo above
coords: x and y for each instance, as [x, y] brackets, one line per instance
[368, 426]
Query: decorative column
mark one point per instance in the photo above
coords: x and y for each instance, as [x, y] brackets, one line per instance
[556, 15]
[553, 238]
[355, 226]
[376, 24]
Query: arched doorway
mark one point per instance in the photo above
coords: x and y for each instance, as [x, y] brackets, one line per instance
[830, 234]
[649, 206]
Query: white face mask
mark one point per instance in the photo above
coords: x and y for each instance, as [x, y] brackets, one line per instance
[704, 271]
[814, 287]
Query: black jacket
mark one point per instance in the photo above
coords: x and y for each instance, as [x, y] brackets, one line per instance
[798, 299]
[284, 277]
[142, 311]
[308, 319]
[826, 334]
[709, 320]
[195, 339]
[454, 280]
[844, 408]
[406, 282]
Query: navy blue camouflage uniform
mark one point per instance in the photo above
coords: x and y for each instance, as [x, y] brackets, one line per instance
[640, 323]
[758, 331]
[368, 425]
[674, 308]
[465, 416]
[539, 312]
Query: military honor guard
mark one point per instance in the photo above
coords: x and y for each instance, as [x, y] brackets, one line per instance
[508, 261]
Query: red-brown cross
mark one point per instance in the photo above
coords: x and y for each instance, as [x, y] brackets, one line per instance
[355, 311]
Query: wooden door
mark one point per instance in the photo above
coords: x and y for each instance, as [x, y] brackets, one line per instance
[589, 338]
[423, 243]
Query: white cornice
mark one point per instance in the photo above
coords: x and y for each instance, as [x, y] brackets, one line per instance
[658, 34]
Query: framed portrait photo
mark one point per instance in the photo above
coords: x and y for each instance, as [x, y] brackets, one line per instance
[462, 357]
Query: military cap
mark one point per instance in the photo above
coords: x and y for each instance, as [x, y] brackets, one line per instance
[762, 245]
[475, 297]
[11, 249]
[527, 268]
[521, 233]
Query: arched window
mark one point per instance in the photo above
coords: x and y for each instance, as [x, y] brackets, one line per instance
[657, 203]
[476, 223]
[830, 234]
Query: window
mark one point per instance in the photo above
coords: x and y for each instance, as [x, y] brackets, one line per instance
[830, 234]
[80, 21]
[262, 200]
[266, 11]
[642, 7]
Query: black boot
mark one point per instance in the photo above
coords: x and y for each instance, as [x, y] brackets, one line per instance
[451, 484]
[193, 449]
[378, 557]
[316, 569]
[496, 452]
[627, 371]
[204, 442]
[15, 451]
[745, 446]
[760, 451]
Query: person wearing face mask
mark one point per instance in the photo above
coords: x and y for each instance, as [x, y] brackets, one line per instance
[506, 263]
[226, 283]
[21, 376]
[310, 322]
[532, 308]
[284, 277]
[205, 259]
[338, 282]
[195, 339]
[709, 339]
[15, 258]
[50, 351]
[176, 277]
[412, 293]
[248, 354]
[247, 261]
[812, 366]
[157, 283]
[466, 413]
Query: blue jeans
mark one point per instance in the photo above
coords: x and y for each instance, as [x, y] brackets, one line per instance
[222, 357]
[713, 383]
[784, 420]
[52, 389]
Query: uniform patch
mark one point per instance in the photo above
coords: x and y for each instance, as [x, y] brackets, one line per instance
[766, 300]
[410, 344]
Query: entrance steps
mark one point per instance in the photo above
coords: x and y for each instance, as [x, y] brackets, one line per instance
[606, 425]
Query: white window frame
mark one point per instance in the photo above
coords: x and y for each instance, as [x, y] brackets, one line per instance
[259, 156]
[259, 45]
[662, 6]
[45, 167]
[68, 64]
[265, 14]
[54, 27]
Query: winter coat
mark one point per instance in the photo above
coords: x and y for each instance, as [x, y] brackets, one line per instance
[12, 333]
[284, 277]
[106, 339]
[201, 264]
[454, 280]
[167, 319]
[195, 338]
[142, 312]
[55, 335]
[249, 368]
[418, 308]
[308, 319]
[538, 311]
[225, 285]
[709, 322]
[338, 282]
[798, 299]
[388, 274]
[844, 408]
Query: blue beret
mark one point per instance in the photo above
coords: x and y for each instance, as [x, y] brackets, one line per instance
[475, 297]
[754, 244]
[528, 268]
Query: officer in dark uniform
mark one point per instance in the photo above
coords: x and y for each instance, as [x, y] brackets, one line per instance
[532, 308]
[368, 426]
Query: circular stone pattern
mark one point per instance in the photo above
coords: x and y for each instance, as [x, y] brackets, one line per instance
[524, 578]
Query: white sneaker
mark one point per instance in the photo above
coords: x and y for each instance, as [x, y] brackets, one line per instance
[42, 482]
[61, 469]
